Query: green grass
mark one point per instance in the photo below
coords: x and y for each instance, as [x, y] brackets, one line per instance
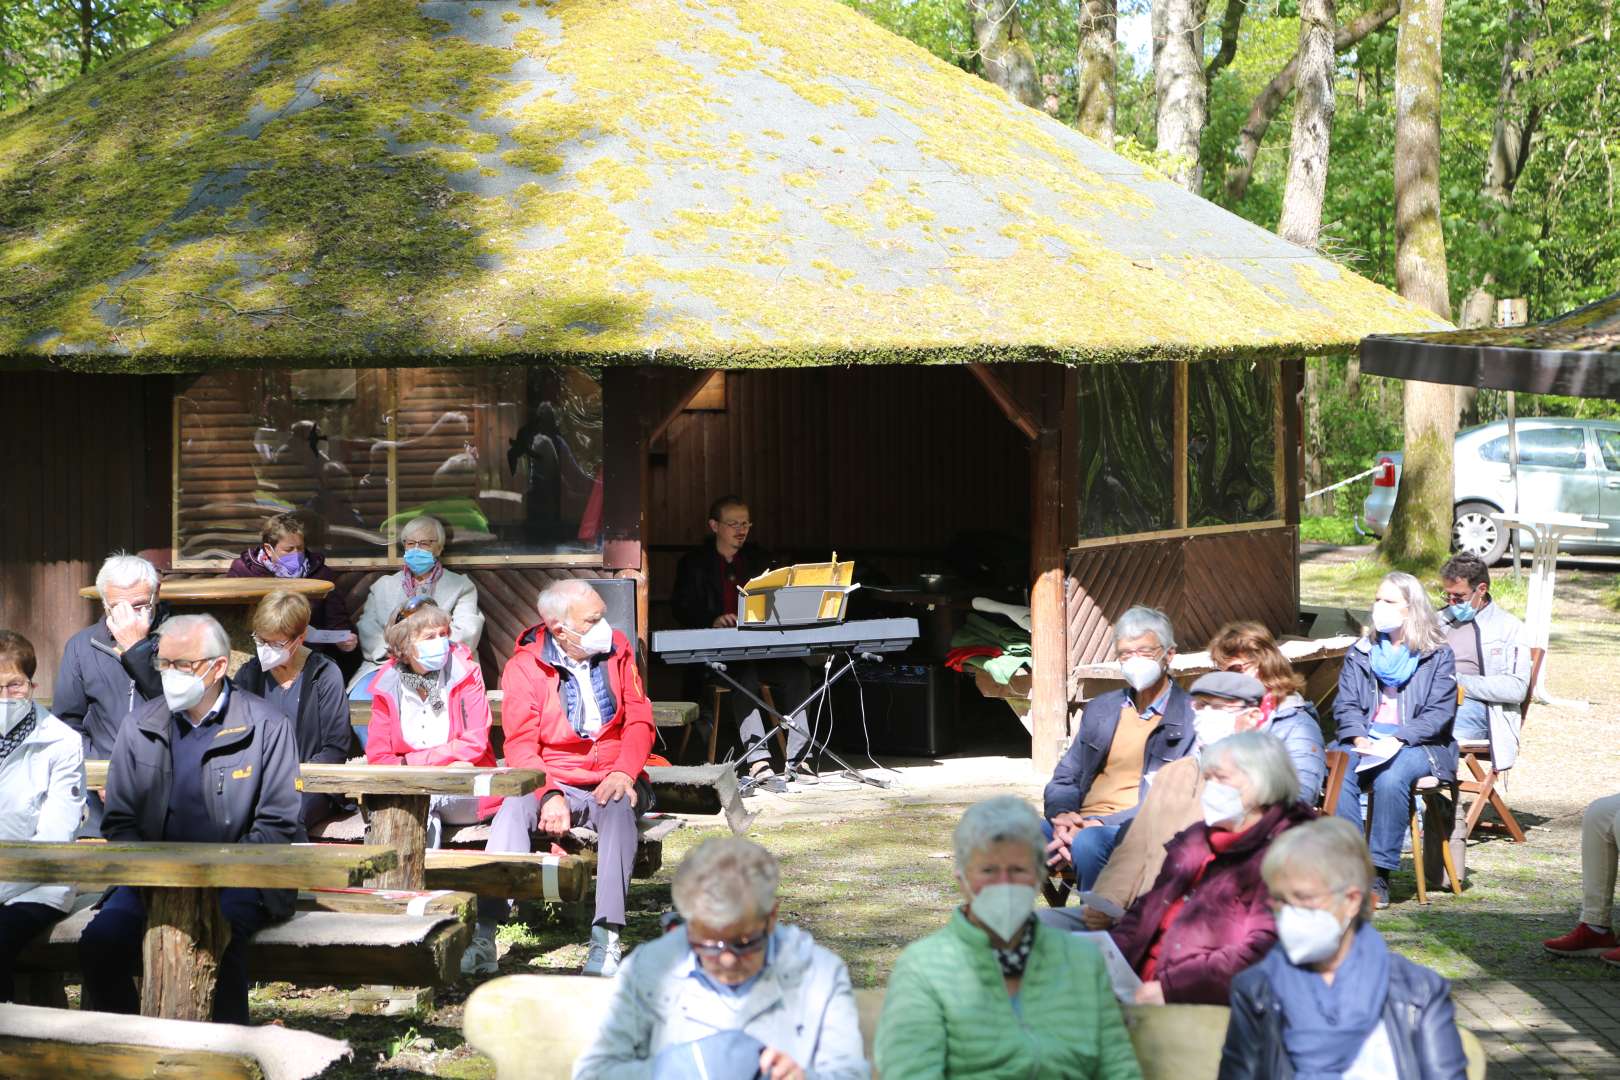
[1352, 585]
[1329, 530]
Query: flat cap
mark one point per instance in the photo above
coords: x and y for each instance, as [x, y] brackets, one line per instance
[1232, 685]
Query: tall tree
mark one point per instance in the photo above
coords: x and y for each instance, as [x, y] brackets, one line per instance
[1420, 525]
[1099, 24]
[1004, 52]
[1180, 91]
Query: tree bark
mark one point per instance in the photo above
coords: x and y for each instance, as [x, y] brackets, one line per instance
[1181, 94]
[400, 822]
[1097, 74]
[1265, 105]
[1301, 221]
[1231, 24]
[1004, 51]
[87, 34]
[185, 935]
[1420, 526]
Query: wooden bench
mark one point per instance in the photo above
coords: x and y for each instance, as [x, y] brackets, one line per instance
[667, 716]
[1172, 1042]
[48, 1044]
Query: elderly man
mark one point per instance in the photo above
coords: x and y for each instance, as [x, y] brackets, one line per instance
[204, 763]
[732, 992]
[1125, 737]
[106, 672]
[1493, 661]
[574, 706]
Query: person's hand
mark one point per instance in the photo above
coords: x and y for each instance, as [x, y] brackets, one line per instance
[1150, 993]
[615, 785]
[554, 816]
[1362, 743]
[1092, 822]
[724, 621]
[129, 627]
[349, 644]
[1057, 854]
[774, 1064]
[1094, 919]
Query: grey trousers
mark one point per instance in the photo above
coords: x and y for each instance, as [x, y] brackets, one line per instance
[616, 838]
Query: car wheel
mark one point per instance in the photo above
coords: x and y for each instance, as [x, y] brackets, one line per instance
[1477, 533]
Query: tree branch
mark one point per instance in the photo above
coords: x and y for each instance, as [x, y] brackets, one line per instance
[1231, 23]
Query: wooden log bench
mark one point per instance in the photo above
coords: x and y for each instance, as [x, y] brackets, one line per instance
[667, 716]
[1172, 1042]
[48, 1044]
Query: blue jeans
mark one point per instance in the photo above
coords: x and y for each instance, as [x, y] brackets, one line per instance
[1391, 786]
[110, 953]
[1473, 723]
[1089, 851]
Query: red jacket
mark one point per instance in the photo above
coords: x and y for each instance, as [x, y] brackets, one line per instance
[1223, 926]
[469, 718]
[535, 722]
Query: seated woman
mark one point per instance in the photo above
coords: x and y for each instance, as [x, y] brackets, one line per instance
[1332, 999]
[41, 798]
[995, 993]
[1206, 918]
[303, 686]
[428, 707]
[1397, 701]
[282, 553]
[1249, 648]
[422, 574]
[732, 989]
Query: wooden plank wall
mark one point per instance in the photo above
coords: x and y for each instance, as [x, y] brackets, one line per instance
[1200, 581]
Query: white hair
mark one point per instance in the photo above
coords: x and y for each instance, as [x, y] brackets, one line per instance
[1141, 620]
[1329, 850]
[1422, 632]
[215, 640]
[1003, 819]
[725, 880]
[421, 524]
[123, 571]
[1261, 757]
[558, 598]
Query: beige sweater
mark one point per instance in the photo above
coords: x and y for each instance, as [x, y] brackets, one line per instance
[1171, 805]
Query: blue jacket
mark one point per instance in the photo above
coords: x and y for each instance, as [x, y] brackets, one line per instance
[1428, 705]
[1296, 724]
[97, 689]
[1088, 753]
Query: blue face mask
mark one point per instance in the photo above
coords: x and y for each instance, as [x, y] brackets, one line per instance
[419, 561]
[1461, 613]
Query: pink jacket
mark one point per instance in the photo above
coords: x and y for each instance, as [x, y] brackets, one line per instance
[469, 718]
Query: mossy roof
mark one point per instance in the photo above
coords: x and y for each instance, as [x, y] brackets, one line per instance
[705, 182]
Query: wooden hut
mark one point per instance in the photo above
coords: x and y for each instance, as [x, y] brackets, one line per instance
[370, 257]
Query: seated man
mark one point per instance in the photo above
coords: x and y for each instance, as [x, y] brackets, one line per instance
[574, 706]
[1125, 737]
[732, 992]
[205, 763]
[1600, 856]
[106, 672]
[1493, 663]
[705, 595]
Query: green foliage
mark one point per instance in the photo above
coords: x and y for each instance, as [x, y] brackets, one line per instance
[1328, 530]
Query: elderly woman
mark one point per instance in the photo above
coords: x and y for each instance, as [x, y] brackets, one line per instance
[1331, 999]
[1206, 919]
[995, 993]
[428, 707]
[1397, 701]
[282, 553]
[305, 686]
[1249, 649]
[731, 992]
[422, 574]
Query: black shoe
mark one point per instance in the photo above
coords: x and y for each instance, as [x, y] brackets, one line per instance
[763, 778]
[802, 774]
[1380, 890]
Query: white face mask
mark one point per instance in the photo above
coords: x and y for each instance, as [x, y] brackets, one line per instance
[181, 690]
[271, 656]
[598, 639]
[1222, 803]
[12, 713]
[1141, 672]
[433, 653]
[1386, 616]
[1211, 725]
[1003, 907]
[1308, 935]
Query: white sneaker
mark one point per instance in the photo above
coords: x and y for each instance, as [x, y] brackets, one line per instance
[480, 957]
[604, 955]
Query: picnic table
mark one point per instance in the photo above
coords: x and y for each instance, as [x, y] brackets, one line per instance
[244, 591]
[180, 883]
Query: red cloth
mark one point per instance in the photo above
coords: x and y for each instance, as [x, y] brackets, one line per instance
[957, 658]
[539, 736]
[469, 718]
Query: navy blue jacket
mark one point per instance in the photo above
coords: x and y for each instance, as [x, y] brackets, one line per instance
[97, 689]
[1088, 753]
[1428, 705]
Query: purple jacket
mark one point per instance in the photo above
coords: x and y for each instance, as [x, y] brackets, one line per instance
[1224, 926]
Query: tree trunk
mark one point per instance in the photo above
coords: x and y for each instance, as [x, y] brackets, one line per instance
[400, 822]
[1181, 94]
[185, 935]
[1420, 527]
[1322, 504]
[1003, 50]
[1265, 105]
[87, 34]
[1097, 73]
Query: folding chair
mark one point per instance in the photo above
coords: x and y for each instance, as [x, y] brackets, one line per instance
[1338, 763]
[1477, 756]
[1433, 813]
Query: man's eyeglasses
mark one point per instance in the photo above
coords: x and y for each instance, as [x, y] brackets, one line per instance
[738, 525]
[15, 689]
[1149, 654]
[190, 667]
[747, 946]
[1456, 597]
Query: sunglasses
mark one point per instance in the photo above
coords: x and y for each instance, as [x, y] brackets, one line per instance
[747, 946]
[415, 603]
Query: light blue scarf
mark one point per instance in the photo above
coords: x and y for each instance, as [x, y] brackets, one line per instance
[1392, 664]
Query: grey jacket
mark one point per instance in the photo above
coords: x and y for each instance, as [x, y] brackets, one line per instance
[250, 780]
[96, 689]
[42, 798]
[1504, 681]
[453, 592]
[801, 1004]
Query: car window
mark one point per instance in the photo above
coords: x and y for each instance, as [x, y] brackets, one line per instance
[1561, 448]
[1609, 445]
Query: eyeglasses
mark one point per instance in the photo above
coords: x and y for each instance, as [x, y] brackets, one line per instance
[1457, 597]
[15, 689]
[163, 664]
[262, 643]
[747, 946]
[738, 525]
[426, 545]
[139, 609]
[1150, 654]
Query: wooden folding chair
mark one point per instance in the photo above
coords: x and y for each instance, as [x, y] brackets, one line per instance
[1338, 764]
[1434, 812]
[1477, 757]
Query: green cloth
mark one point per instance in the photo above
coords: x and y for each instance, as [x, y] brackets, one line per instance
[1011, 639]
[947, 1012]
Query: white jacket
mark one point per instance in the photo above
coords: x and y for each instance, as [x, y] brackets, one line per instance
[801, 1004]
[454, 592]
[1504, 679]
[42, 798]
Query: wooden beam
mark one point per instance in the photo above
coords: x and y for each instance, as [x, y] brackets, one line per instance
[194, 866]
[23, 1058]
[1002, 395]
[1049, 617]
[1178, 442]
[684, 393]
[1291, 377]
[624, 467]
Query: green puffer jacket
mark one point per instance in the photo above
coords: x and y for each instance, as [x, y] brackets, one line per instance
[947, 1013]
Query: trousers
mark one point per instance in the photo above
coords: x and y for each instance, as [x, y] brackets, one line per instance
[1600, 851]
[1391, 786]
[616, 839]
[791, 683]
[20, 924]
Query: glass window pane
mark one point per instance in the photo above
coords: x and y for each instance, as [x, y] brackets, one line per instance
[1559, 448]
[1609, 443]
[1231, 442]
[1125, 428]
[1495, 451]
